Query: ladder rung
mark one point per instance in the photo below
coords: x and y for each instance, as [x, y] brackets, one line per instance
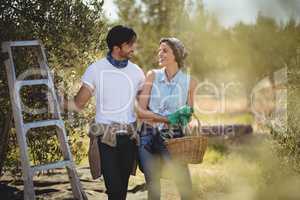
[44, 123]
[19, 84]
[23, 43]
[56, 165]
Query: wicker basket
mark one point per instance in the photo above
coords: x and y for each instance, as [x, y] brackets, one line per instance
[188, 149]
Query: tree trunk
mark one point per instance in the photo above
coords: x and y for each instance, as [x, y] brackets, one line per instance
[4, 133]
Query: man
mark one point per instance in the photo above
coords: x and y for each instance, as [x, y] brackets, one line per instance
[115, 82]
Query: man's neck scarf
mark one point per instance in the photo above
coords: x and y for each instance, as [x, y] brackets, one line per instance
[116, 63]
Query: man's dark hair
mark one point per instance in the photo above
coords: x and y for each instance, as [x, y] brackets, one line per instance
[118, 35]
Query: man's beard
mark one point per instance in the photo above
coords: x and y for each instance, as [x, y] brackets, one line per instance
[128, 55]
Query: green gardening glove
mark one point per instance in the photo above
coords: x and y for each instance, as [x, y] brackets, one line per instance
[185, 119]
[186, 115]
[185, 110]
[174, 118]
[181, 115]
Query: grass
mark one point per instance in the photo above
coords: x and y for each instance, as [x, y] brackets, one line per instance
[226, 118]
[250, 172]
[230, 171]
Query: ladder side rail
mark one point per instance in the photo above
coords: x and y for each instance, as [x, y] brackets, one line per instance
[17, 114]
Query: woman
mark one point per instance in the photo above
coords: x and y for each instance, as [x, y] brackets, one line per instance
[165, 91]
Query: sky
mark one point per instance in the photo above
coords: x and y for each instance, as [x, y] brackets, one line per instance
[110, 10]
[230, 12]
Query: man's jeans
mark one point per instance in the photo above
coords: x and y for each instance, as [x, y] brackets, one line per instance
[151, 154]
[116, 165]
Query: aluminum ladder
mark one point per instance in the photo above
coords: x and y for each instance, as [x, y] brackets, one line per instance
[22, 128]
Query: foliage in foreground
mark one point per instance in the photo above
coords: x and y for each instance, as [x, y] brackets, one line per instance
[72, 32]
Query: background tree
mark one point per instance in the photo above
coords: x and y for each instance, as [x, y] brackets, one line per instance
[151, 20]
[72, 32]
[243, 54]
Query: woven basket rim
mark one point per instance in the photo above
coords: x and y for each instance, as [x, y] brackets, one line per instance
[194, 137]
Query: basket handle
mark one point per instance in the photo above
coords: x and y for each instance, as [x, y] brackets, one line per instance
[199, 125]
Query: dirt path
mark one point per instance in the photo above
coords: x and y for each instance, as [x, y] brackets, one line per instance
[57, 187]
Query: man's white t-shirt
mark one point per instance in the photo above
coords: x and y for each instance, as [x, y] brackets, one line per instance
[115, 90]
